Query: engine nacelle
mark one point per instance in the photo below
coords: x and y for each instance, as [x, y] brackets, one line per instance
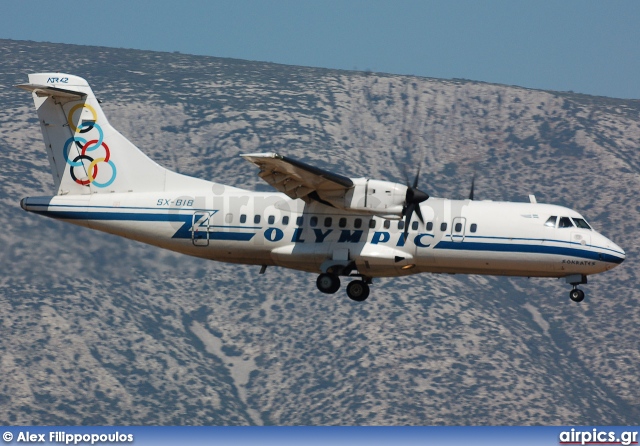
[376, 197]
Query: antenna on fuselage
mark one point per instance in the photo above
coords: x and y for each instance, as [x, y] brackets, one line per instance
[473, 186]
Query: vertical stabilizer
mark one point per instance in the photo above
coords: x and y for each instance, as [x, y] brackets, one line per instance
[87, 155]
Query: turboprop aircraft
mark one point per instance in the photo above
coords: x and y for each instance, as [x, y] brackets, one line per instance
[319, 221]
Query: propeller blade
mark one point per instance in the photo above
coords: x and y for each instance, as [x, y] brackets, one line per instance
[412, 203]
[407, 219]
[419, 214]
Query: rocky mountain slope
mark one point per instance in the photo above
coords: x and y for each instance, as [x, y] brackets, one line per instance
[101, 330]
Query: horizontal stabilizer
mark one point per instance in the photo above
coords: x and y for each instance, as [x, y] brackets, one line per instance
[46, 90]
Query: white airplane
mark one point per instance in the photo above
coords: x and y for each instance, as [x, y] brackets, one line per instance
[319, 221]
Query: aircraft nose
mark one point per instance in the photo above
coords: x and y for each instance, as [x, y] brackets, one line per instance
[617, 253]
[623, 255]
[609, 252]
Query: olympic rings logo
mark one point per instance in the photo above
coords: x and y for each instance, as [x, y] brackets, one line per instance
[94, 159]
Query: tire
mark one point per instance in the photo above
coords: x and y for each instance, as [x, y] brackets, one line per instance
[328, 283]
[358, 290]
[576, 295]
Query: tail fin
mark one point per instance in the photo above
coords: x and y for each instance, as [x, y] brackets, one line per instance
[86, 154]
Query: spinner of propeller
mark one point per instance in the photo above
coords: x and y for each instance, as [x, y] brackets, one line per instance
[412, 203]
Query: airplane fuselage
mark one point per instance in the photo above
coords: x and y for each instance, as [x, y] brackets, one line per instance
[239, 226]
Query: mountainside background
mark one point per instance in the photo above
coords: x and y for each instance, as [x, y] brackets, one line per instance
[100, 330]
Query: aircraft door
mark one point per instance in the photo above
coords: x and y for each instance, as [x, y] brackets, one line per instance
[458, 228]
[200, 222]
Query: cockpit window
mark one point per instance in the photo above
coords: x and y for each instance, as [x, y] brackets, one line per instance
[551, 222]
[565, 222]
[581, 223]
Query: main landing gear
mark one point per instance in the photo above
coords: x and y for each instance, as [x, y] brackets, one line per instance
[576, 294]
[328, 283]
[357, 290]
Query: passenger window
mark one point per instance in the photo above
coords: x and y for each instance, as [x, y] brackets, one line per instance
[300, 221]
[256, 219]
[430, 226]
[372, 223]
[401, 225]
[342, 222]
[271, 220]
[357, 223]
[327, 222]
[285, 220]
[581, 223]
[387, 224]
[414, 225]
[228, 218]
[565, 222]
[551, 222]
[313, 221]
[243, 218]
[458, 227]
[473, 227]
[443, 227]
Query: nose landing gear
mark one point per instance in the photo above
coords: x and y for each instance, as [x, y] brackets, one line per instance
[576, 294]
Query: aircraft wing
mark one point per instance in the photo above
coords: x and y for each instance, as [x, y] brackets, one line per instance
[298, 179]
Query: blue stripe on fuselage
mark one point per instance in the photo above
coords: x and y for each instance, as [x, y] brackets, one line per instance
[114, 216]
[528, 249]
[184, 232]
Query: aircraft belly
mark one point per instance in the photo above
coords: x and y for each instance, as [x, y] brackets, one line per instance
[235, 253]
[162, 234]
[303, 257]
[470, 262]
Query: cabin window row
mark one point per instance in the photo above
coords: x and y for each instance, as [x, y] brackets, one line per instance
[327, 222]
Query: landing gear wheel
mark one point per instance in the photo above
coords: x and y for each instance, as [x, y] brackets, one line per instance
[328, 283]
[576, 295]
[358, 290]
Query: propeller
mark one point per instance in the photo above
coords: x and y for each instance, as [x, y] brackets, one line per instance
[412, 203]
[473, 184]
